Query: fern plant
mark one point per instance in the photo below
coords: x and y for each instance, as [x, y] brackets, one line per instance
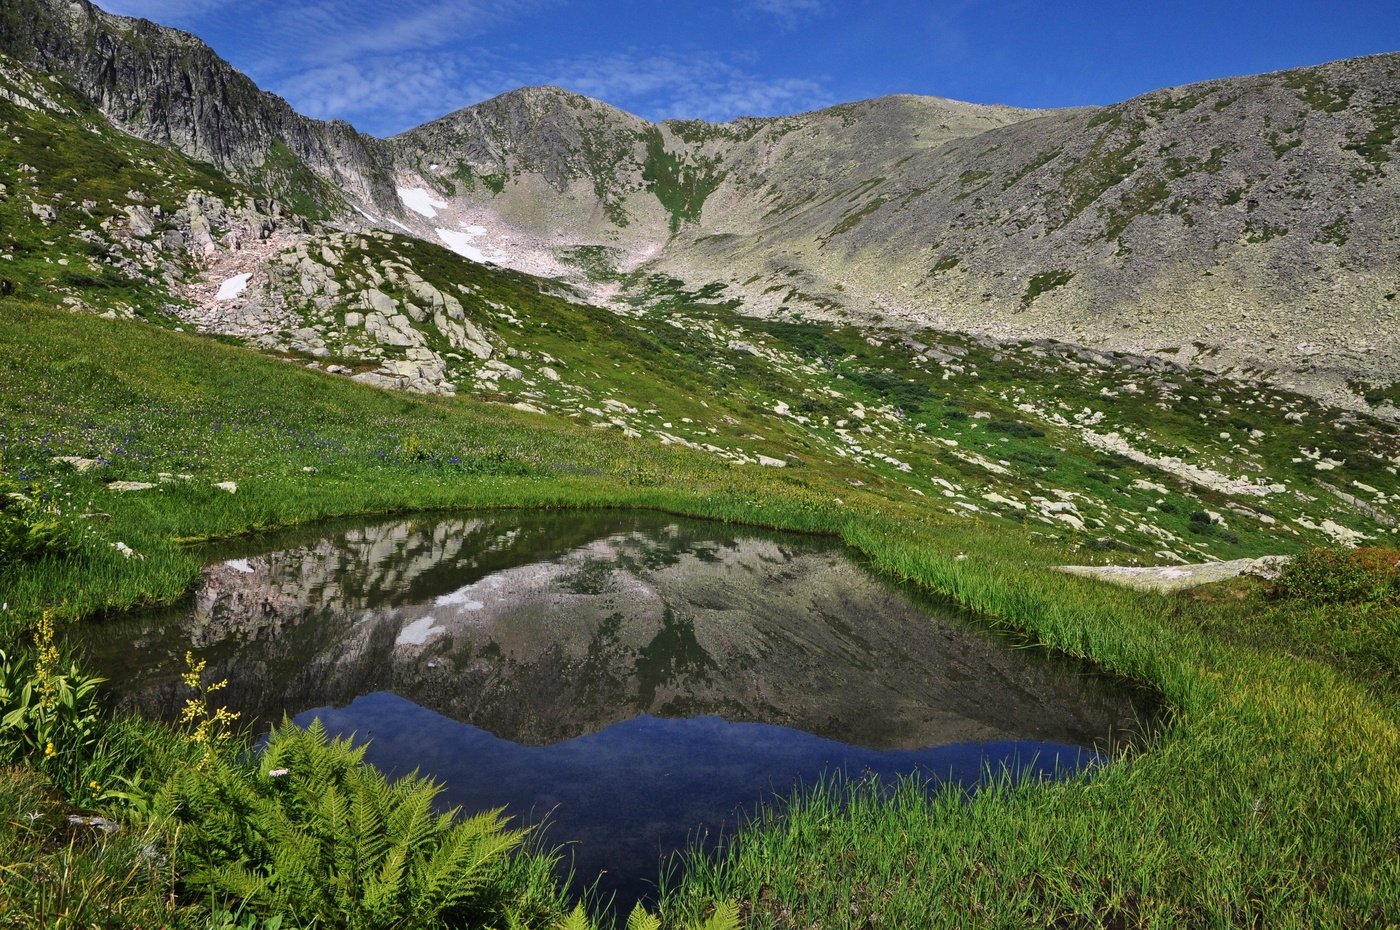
[724, 917]
[307, 829]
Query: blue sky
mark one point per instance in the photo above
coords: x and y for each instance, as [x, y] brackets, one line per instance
[388, 65]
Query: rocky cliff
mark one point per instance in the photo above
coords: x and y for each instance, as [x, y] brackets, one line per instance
[167, 86]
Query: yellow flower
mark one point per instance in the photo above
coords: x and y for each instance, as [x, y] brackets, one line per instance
[94, 786]
[50, 751]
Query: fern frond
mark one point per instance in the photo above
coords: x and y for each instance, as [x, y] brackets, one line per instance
[639, 919]
[725, 917]
[576, 920]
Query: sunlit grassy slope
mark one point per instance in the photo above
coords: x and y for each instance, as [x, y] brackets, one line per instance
[1271, 799]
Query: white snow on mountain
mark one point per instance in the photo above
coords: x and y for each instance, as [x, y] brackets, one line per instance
[420, 201]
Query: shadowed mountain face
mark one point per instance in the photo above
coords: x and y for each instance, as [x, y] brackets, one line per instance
[545, 628]
[1245, 223]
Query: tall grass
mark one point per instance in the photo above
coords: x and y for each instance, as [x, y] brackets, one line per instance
[1271, 798]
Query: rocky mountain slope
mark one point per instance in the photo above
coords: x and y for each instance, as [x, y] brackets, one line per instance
[1249, 224]
[1129, 454]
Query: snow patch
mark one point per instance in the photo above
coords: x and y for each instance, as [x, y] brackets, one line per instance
[418, 632]
[239, 565]
[233, 287]
[420, 201]
[460, 241]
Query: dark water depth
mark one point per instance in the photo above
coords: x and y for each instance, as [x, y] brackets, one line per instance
[637, 679]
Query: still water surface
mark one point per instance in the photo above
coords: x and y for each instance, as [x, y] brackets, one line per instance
[636, 679]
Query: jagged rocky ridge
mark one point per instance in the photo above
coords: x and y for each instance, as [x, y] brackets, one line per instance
[1243, 224]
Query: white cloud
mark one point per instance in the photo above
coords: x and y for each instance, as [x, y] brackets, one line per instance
[789, 7]
[388, 93]
[670, 85]
[789, 12]
[389, 65]
[327, 31]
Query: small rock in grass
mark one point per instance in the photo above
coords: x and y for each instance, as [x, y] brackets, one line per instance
[129, 485]
[228, 486]
[97, 823]
[77, 461]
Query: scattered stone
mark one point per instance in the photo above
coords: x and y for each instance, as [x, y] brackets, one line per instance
[228, 486]
[129, 486]
[97, 823]
[376, 379]
[78, 462]
[140, 219]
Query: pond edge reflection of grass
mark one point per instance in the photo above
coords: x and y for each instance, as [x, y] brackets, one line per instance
[1271, 798]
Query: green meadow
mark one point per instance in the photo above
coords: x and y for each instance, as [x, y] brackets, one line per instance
[1268, 797]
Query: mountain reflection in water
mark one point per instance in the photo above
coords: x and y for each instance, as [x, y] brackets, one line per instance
[636, 676]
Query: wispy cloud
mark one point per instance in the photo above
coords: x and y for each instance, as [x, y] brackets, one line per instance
[329, 31]
[388, 65]
[789, 11]
[388, 94]
[670, 84]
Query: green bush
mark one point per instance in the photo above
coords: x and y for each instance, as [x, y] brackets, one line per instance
[29, 530]
[307, 830]
[1342, 576]
[1019, 430]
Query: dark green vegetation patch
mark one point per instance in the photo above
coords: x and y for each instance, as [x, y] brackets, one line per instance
[680, 185]
[1045, 281]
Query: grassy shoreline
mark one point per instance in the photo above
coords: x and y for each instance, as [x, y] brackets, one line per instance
[1271, 799]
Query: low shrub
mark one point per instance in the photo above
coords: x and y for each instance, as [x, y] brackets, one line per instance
[29, 528]
[1342, 576]
[1017, 429]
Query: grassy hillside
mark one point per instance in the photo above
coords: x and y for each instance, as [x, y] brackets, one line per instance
[968, 467]
[1269, 800]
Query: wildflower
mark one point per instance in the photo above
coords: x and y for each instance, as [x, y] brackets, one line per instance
[278, 773]
[50, 751]
[94, 786]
